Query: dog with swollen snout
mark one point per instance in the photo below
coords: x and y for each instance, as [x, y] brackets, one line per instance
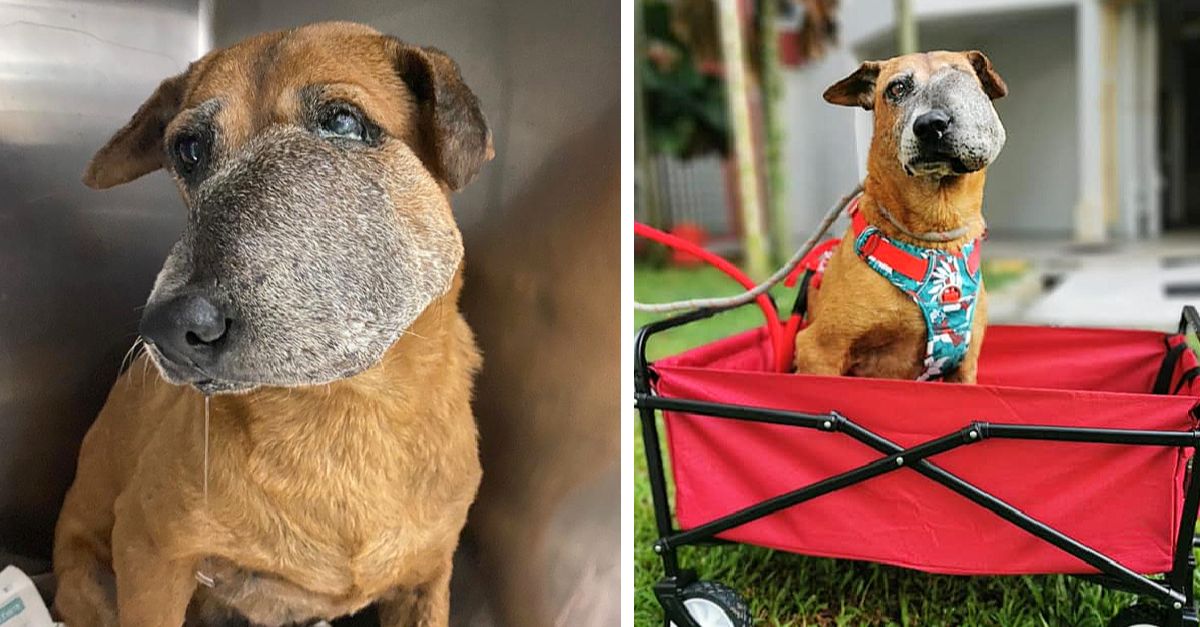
[902, 296]
[297, 441]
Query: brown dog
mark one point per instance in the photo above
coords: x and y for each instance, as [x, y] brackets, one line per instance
[318, 279]
[935, 134]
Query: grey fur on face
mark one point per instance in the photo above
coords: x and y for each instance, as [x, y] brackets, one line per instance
[975, 136]
[313, 246]
[321, 252]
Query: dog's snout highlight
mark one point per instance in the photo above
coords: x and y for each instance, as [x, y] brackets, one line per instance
[188, 329]
[932, 125]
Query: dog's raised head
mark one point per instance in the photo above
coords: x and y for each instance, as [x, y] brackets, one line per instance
[316, 166]
[933, 110]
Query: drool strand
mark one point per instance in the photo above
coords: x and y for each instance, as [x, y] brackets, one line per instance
[207, 407]
[201, 577]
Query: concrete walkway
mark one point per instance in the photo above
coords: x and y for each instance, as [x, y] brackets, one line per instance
[1129, 285]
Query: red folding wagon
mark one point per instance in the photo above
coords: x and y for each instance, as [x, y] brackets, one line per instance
[1071, 455]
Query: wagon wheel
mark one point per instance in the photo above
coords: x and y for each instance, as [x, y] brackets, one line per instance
[1140, 616]
[712, 604]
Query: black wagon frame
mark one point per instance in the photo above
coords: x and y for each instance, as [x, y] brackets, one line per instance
[1174, 592]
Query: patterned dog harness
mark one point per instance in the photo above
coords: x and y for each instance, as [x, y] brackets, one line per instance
[943, 284]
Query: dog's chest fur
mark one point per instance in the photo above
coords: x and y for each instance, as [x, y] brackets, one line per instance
[888, 327]
[307, 518]
[321, 501]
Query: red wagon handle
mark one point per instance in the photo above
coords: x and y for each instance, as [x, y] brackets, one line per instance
[781, 343]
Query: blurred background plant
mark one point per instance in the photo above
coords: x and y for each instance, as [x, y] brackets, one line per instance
[685, 107]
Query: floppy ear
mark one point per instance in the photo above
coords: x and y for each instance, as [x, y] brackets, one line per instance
[993, 85]
[136, 149]
[856, 90]
[453, 126]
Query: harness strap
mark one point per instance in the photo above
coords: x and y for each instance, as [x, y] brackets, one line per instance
[883, 250]
[973, 260]
[942, 283]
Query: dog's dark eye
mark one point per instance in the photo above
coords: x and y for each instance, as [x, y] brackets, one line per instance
[189, 150]
[897, 90]
[343, 124]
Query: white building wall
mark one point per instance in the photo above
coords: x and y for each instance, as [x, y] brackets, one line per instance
[866, 20]
[820, 159]
[1033, 187]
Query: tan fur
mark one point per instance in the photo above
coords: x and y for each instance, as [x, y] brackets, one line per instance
[321, 499]
[861, 324]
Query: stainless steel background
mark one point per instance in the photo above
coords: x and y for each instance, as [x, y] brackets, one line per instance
[541, 228]
[74, 264]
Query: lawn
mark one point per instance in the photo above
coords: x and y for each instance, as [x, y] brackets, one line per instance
[787, 589]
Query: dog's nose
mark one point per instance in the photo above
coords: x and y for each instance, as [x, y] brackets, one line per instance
[185, 329]
[931, 125]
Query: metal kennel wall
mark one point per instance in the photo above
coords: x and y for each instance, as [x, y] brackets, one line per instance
[75, 264]
[541, 219]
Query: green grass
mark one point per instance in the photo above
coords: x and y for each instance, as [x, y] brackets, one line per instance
[788, 589]
[655, 285]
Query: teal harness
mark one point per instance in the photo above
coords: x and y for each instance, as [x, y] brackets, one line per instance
[944, 285]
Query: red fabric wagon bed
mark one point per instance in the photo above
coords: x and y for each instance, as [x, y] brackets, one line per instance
[1122, 500]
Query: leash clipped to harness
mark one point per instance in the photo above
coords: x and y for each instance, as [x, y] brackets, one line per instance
[944, 284]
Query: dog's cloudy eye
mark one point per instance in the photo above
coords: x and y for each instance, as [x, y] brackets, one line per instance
[343, 124]
[189, 150]
[897, 90]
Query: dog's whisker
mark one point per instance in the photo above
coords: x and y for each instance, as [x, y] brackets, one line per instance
[417, 335]
[126, 360]
[145, 369]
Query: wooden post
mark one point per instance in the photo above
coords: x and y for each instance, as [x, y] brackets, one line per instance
[906, 28]
[772, 88]
[1092, 37]
[754, 239]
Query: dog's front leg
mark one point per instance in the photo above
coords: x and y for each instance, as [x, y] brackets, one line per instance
[152, 590]
[820, 352]
[426, 606]
[86, 595]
